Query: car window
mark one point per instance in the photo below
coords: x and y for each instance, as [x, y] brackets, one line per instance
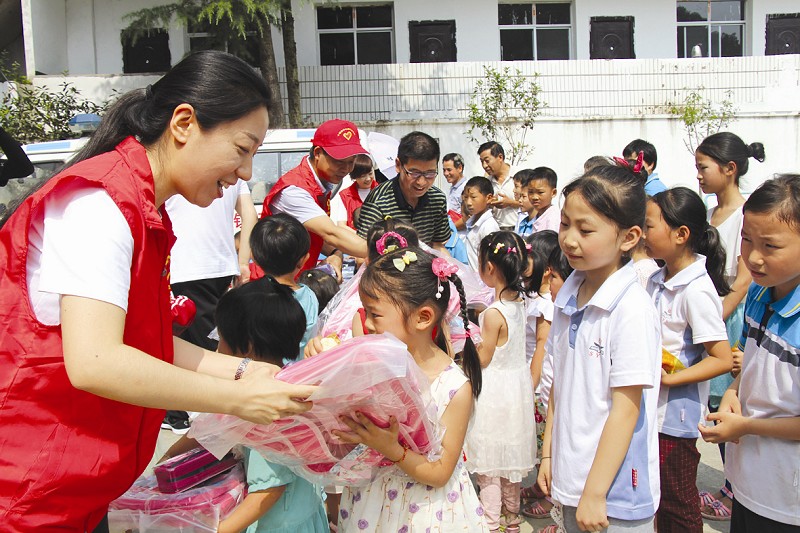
[267, 168]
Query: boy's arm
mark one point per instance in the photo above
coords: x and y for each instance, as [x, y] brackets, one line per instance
[611, 450]
[253, 507]
[731, 425]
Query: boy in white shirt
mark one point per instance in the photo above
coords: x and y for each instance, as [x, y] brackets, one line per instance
[480, 194]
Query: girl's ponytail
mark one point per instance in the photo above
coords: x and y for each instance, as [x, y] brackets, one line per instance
[681, 206]
[470, 362]
[710, 245]
[757, 151]
[726, 147]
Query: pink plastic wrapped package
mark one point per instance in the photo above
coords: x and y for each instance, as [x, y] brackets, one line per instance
[374, 375]
[337, 317]
[143, 508]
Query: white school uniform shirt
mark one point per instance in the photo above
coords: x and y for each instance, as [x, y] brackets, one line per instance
[550, 219]
[765, 471]
[691, 314]
[730, 232]
[612, 341]
[535, 307]
[477, 229]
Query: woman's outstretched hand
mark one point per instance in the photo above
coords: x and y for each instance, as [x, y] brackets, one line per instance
[267, 399]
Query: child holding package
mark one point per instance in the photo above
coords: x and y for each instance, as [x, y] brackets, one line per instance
[501, 449]
[600, 451]
[760, 412]
[279, 245]
[480, 194]
[686, 292]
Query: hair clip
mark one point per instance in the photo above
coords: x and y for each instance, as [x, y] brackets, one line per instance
[407, 258]
[511, 250]
[443, 270]
[529, 247]
[381, 244]
[497, 248]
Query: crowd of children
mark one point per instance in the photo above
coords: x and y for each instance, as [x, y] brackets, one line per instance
[606, 353]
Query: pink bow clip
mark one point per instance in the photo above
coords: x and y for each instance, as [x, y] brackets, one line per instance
[511, 250]
[443, 269]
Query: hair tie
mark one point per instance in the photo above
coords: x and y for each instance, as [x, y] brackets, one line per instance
[443, 270]
[381, 247]
[148, 92]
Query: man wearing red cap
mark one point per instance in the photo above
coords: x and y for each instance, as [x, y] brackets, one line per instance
[305, 191]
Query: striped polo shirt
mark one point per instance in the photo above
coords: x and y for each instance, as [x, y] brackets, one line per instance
[765, 471]
[429, 217]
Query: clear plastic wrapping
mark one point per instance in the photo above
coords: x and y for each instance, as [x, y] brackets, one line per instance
[144, 509]
[374, 375]
[337, 317]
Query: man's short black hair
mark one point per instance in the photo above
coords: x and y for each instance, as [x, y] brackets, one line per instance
[495, 148]
[457, 160]
[418, 146]
[649, 155]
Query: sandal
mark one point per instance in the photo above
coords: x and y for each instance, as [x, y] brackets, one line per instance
[535, 509]
[509, 523]
[706, 498]
[531, 493]
[552, 528]
[717, 511]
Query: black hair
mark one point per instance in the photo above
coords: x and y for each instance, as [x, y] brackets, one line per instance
[416, 286]
[494, 148]
[649, 154]
[559, 264]
[362, 166]
[779, 197]
[540, 173]
[418, 146]
[481, 183]
[725, 147]
[597, 161]
[219, 86]
[681, 206]
[613, 191]
[507, 252]
[278, 243]
[261, 319]
[457, 160]
[380, 227]
[542, 243]
[323, 285]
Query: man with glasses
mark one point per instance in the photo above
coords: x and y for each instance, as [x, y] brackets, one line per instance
[305, 192]
[411, 196]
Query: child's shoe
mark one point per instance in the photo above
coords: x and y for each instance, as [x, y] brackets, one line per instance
[510, 522]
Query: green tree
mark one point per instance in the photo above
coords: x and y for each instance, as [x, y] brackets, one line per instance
[701, 117]
[230, 22]
[503, 107]
[33, 114]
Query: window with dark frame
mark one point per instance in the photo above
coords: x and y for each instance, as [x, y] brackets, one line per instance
[535, 31]
[783, 34]
[710, 28]
[202, 38]
[356, 35]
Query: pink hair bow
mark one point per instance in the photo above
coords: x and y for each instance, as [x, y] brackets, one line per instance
[443, 271]
[511, 250]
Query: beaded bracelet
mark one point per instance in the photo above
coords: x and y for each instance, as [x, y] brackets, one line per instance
[241, 369]
[405, 451]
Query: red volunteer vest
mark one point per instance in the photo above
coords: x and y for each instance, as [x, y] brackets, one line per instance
[301, 176]
[64, 453]
[352, 200]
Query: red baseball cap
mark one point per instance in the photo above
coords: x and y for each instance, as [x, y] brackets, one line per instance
[339, 138]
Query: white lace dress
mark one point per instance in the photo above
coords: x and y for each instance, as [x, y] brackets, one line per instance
[398, 504]
[502, 439]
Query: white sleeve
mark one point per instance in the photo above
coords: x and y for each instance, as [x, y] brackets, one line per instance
[87, 247]
[338, 211]
[296, 202]
[242, 187]
[704, 312]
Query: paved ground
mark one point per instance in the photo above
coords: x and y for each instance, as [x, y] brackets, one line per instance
[710, 478]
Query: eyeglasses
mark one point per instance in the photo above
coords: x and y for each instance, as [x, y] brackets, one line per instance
[416, 174]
